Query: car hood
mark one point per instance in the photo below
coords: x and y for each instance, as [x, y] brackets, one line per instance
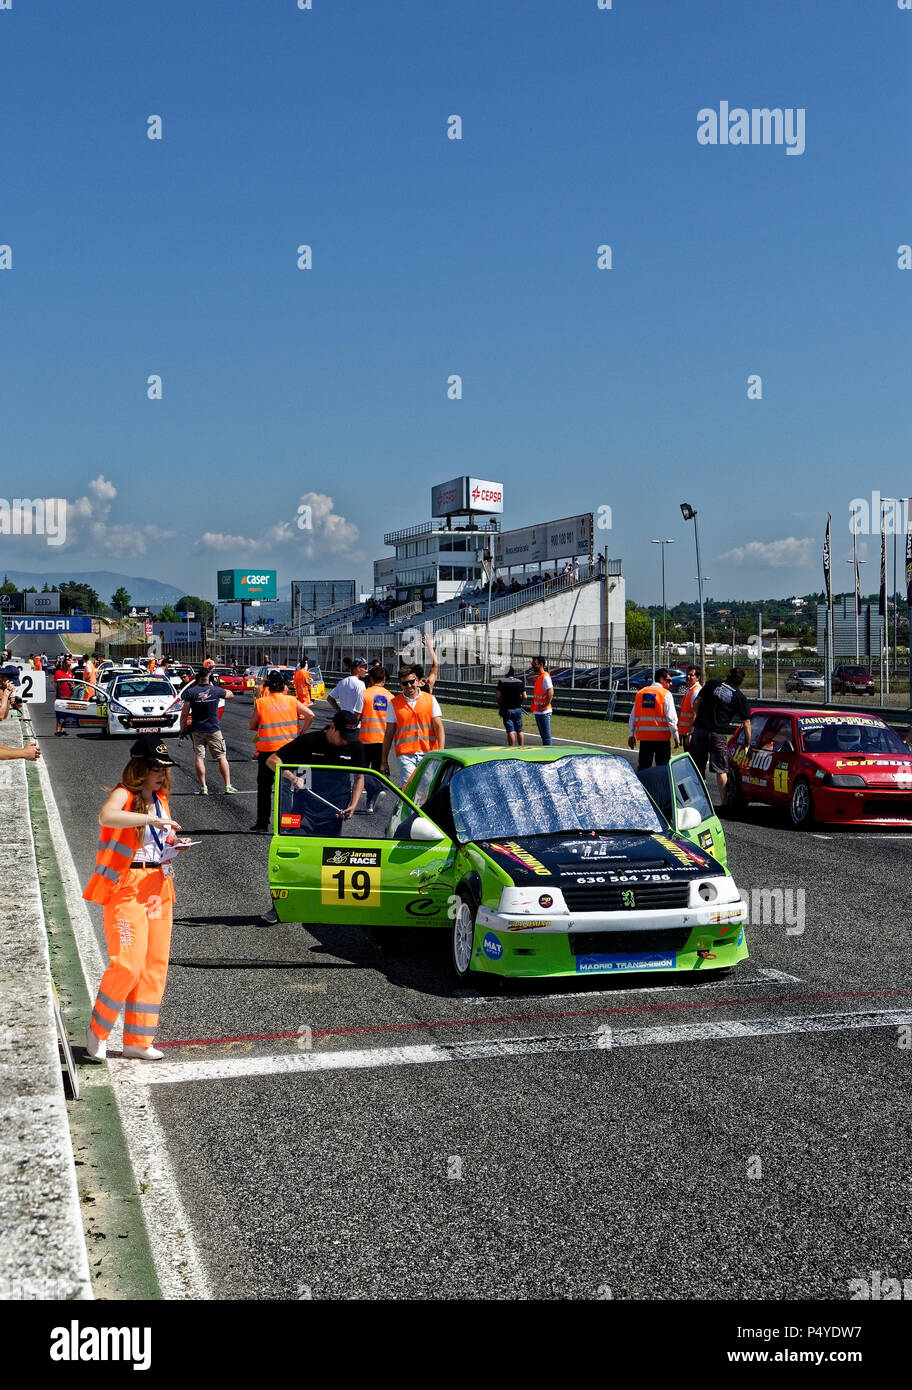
[530, 859]
[873, 767]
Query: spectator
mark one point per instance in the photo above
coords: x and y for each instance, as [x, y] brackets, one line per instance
[303, 681]
[542, 698]
[654, 721]
[275, 721]
[576, 570]
[347, 696]
[199, 716]
[377, 700]
[719, 704]
[509, 695]
[63, 690]
[414, 725]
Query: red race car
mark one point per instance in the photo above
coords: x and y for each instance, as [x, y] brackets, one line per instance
[228, 678]
[848, 769]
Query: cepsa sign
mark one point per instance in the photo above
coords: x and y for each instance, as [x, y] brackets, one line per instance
[242, 585]
[484, 496]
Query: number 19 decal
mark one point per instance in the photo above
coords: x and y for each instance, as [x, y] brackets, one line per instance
[350, 878]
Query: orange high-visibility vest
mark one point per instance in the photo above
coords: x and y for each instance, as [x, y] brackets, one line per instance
[116, 849]
[303, 680]
[686, 714]
[36, 663]
[414, 729]
[649, 722]
[278, 721]
[540, 694]
[373, 714]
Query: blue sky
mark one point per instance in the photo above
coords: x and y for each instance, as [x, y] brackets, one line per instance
[432, 256]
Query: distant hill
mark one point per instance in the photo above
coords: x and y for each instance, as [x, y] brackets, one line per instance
[104, 582]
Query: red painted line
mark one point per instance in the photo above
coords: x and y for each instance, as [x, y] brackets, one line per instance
[538, 1018]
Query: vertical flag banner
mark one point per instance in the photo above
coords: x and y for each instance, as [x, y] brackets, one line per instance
[908, 563]
[857, 579]
[826, 564]
[882, 602]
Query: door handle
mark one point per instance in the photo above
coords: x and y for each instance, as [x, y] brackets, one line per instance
[287, 853]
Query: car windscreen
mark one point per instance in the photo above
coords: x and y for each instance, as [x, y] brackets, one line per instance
[841, 733]
[504, 799]
[125, 688]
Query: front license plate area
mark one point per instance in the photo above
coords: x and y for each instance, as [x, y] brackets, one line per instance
[608, 965]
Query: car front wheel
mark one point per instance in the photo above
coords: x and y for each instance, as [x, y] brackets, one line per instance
[463, 934]
[801, 805]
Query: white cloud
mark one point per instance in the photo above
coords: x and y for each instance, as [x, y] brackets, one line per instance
[329, 533]
[776, 554]
[103, 489]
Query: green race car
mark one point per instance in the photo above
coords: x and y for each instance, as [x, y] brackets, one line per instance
[539, 861]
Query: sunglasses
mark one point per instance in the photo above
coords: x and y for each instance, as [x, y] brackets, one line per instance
[408, 682]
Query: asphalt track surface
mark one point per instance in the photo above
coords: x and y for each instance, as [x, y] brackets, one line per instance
[743, 1138]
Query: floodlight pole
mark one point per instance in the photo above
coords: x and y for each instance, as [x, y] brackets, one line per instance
[689, 514]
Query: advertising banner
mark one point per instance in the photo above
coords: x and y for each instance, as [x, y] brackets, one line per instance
[484, 496]
[39, 625]
[449, 498]
[42, 603]
[175, 632]
[240, 586]
[539, 545]
[12, 603]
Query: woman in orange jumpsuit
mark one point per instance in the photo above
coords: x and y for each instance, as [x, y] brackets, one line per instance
[136, 889]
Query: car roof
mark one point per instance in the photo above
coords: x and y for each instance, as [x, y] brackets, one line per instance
[806, 711]
[468, 757]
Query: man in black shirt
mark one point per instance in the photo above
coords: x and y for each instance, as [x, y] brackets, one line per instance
[509, 695]
[719, 705]
[336, 745]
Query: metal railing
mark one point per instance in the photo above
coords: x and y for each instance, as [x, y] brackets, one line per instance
[405, 610]
[519, 598]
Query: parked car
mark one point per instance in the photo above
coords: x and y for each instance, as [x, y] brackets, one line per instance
[538, 862]
[805, 679]
[638, 679]
[852, 680]
[845, 769]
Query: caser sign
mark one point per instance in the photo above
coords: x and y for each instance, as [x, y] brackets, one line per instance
[243, 585]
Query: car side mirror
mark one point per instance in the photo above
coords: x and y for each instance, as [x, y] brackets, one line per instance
[689, 818]
[424, 829]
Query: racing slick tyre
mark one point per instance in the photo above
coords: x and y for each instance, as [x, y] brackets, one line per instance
[466, 909]
[734, 803]
[801, 805]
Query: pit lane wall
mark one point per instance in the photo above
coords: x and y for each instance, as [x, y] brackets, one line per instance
[42, 1246]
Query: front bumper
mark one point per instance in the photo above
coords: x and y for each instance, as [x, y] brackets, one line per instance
[143, 724]
[592, 943]
[863, 806]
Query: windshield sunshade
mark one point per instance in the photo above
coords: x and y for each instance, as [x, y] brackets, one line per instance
[509, 798]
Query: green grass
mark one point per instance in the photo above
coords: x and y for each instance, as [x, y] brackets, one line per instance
[604, 731]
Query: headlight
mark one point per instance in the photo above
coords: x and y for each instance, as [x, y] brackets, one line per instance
[519, 901]
[843, 779]
[720, 889]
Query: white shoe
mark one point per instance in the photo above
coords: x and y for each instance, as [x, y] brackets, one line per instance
[146, 1054]
[97, 1048]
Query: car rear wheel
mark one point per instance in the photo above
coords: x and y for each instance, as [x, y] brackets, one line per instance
[463, 934]
[801, 805]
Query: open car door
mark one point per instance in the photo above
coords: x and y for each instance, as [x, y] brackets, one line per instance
[88, 708]
[677, 787]
[386, 865]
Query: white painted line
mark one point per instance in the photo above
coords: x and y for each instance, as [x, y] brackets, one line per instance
[815, 835]
[304, 1063]
[779, 975]
[179, 1268]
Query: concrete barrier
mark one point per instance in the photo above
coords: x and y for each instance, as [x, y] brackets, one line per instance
[42, 1245]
